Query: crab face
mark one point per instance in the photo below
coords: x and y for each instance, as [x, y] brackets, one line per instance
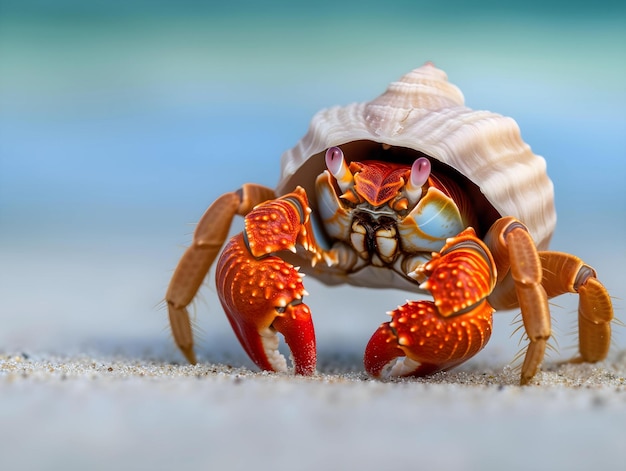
[385, 211]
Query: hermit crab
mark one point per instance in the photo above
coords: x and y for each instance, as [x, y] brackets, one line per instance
[411, 190]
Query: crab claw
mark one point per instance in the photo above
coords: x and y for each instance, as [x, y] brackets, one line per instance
[262, 297]
[420, 341]
[460, 275]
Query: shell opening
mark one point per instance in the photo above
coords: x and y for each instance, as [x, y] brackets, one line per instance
[420, 171]
[480, 211]
[337, 166]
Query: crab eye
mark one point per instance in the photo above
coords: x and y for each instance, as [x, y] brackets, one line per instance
[334, 160]
[337, 166]
[420, 171]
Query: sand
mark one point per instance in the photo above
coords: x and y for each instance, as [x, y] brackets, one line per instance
[116, 412]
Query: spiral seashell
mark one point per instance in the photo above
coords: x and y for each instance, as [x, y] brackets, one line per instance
[424, 112]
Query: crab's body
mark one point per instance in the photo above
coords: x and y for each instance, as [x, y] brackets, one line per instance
[379, 228]
[412, 190]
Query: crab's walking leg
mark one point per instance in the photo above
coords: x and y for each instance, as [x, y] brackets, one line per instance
[565, 273]
[539, 276]
[261, 293]
[514, 249]
[424, 337]
[208, 238]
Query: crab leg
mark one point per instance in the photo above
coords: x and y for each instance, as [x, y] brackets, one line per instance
[424, 337]
[261, 293]
[514, 249]
[208, 238]
[565, 273]
[538, 276]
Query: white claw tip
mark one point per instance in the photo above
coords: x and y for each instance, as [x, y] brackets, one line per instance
[401, 366]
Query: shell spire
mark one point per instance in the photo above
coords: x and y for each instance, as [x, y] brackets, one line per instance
[407, 100]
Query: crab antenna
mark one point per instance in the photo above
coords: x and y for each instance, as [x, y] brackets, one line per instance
[420, 171]
[338, 167]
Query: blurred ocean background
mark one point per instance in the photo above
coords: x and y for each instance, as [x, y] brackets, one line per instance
[120, 122]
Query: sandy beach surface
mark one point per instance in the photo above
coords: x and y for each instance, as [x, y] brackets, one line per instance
[115, 412]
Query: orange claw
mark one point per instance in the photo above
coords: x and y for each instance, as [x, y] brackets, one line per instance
[461, 274]
[420, 341]
[261, 293]
[261, 297]
[438, 335]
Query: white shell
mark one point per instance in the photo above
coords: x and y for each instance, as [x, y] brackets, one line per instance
[424, 112]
